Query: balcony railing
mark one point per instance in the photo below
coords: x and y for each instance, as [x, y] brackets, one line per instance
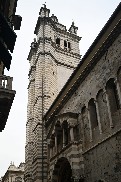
[6, 82]
[6, 99]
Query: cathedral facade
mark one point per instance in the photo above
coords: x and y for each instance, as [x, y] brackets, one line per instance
[74, 127]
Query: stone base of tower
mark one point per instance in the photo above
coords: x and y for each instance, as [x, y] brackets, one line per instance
[39, 162]
[28, 161]
[40, 170]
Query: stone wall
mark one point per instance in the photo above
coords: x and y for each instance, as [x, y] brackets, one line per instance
[103, 162]
[98, 102]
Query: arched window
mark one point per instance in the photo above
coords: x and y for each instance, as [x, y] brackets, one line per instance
[65, 132]
[103, 110]
[112, 95]
[93, 114]
[76, 133]
[62, 171]
[85, 126]
[52, 144]
[58, 41]
[58, 131]
[119, 77]
[65, 43]
[69, 46]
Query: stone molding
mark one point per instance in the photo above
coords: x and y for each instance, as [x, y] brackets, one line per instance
[48, 20]
[57, 48]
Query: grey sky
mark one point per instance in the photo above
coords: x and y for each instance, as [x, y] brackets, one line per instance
[89, 15]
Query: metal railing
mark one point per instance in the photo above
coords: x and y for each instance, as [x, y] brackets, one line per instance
[6, 82]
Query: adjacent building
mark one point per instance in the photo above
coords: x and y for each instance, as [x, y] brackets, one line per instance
[8, 23]
[74, 133]
[14, 174]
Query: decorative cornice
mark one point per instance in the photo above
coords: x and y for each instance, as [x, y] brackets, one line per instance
[46, 20]
[58, 62]
[57, 48]
[67, 114]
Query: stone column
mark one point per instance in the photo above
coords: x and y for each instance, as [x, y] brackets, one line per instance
[76, 179]
[49, 150]
[118, 90]
[63, 137]
[52, 151]
[89, 119]
[50, 147]
[98, 117]
[109, 109]
[71, 133]
[55, 142]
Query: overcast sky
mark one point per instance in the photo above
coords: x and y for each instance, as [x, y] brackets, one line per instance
[89, 15]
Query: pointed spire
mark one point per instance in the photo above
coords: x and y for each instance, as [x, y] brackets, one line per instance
[34, 43]
[44, 5]
[54, 18]
[72, 23]
[44, 12]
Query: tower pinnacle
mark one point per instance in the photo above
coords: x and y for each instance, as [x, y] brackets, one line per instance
[44, 12]
[73, 29]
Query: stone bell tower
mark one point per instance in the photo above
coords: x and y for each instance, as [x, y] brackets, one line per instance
[53, 56]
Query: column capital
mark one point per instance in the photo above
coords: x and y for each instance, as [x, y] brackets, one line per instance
[104, 90]
[115, 80]
[95, 101]
[71, 125]
[76, 179]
